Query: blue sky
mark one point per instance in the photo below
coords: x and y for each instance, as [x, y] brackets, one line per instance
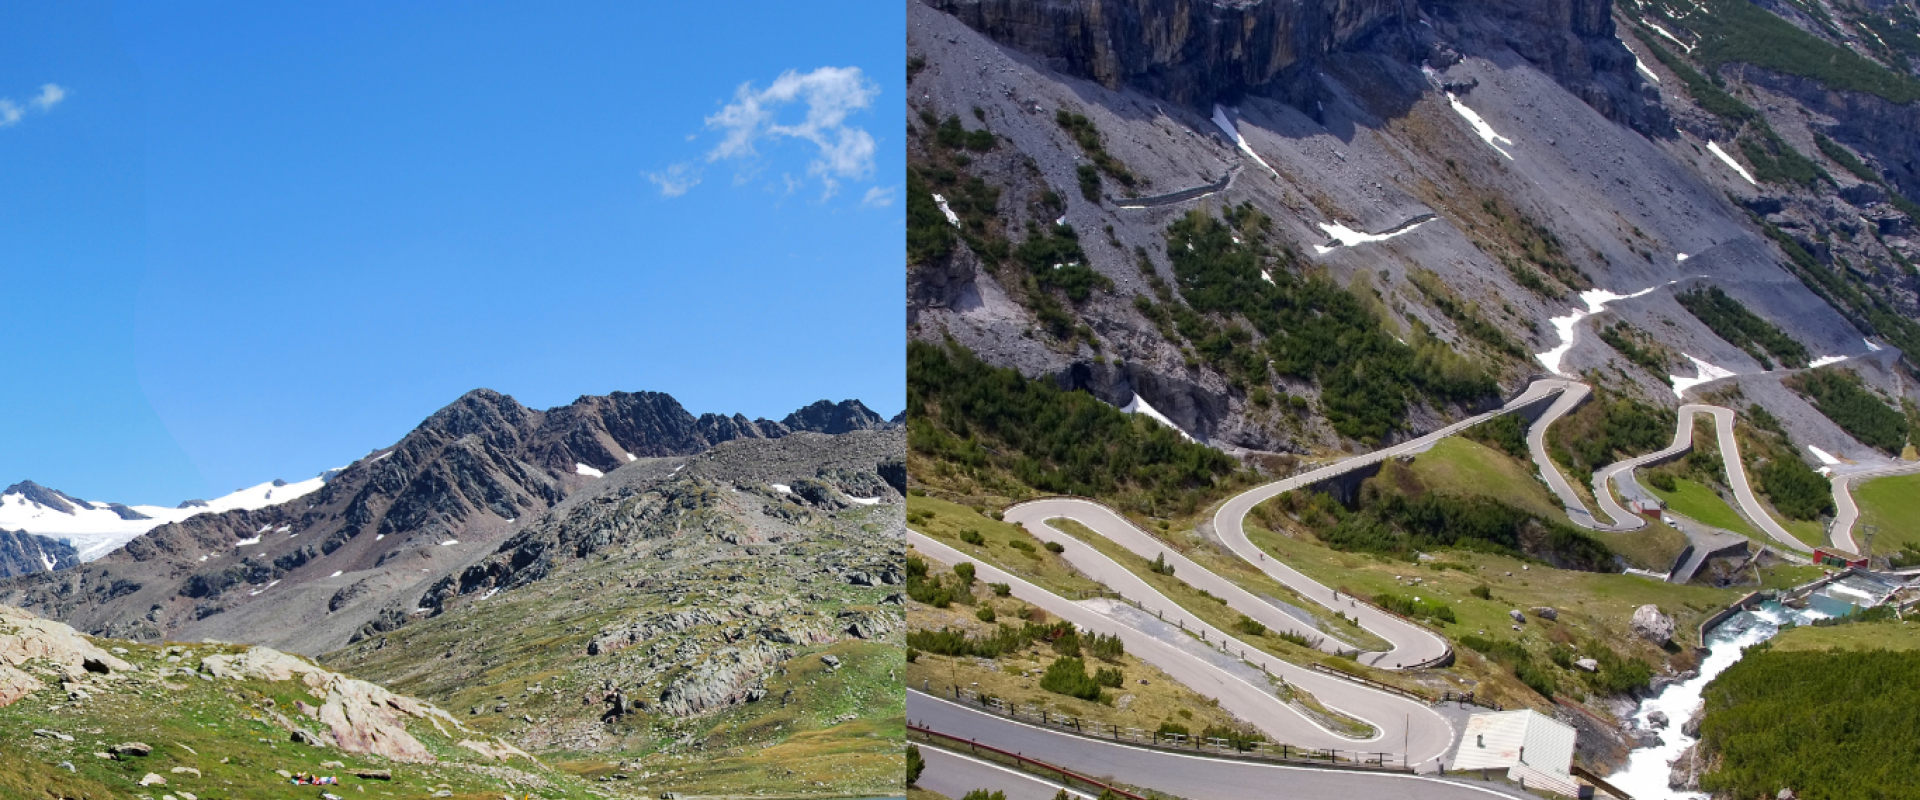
[242, 241]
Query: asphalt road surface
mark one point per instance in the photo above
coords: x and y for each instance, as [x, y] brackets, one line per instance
[1191, 777]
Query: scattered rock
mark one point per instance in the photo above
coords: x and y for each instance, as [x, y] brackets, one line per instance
[153, 779]
[132, 749]
[1692, 726]
[832, 662]
[1518, 618]
[1546, 612]
[1588, 664]
[1658, 719]
[68, 766]
[302, 737]
[1684, 772]
[186, 771]
[374, 774]
[1651, 624]
[362, 717]
[52, 734]
[331, 765]
[1785, 794]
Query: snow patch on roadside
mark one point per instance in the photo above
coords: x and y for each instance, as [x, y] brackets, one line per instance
[1348, 237]
[1825, 360]
[1722, 155]
[1824, 456]
[1706, 372]
[1596, 300]
[1221, 119]
[1140, 406]
[1480, 126]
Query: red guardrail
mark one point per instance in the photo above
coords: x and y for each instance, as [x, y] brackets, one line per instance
[1066, 774]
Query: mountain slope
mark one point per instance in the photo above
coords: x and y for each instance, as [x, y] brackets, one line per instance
[306, 575]
[22, 552]
[724, 621]
[1450, 181]
[81, 718]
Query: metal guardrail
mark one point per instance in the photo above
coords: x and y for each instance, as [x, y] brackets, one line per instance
[1371, 683]
[1066, 776]
[1468, 698]
[1267, 752]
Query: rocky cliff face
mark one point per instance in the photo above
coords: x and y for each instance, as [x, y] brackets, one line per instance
[1215, 51]
[23, 553]
[1194, 53]
[305, 575]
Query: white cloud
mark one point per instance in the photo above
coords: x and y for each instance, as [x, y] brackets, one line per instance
[676, 180]
[11, 113]
[846, 152]
[50, 95]
[878, 197]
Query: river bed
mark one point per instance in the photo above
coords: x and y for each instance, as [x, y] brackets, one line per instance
[1645, 775]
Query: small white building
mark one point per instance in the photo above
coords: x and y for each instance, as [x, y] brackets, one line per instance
[1533, 749]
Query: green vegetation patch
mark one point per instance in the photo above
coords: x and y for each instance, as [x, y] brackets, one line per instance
[1843, 397]
[1730, 320]
[1313, 329]
[1696, 501]
[1891, 504]
[1053, 257]
[1827, 724]
[1086, 135]
[1606, 429]
[965, 412]
[1639, 348]
[1397, 516]
[1741, 31]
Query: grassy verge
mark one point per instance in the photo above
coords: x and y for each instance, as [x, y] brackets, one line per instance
[1146, 699]
[945, 520]
[1696, 501]
[1892, 504]
[1892, 634]
[1591, 606]
[1214, 611]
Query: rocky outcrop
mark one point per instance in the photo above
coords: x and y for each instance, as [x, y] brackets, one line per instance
[1572, 40]
[1683, 772]
[23, 553]
[359, 717]
[1651, 624]
[1194, 53]
[727, 677]
[1200, 53]
[824, 416]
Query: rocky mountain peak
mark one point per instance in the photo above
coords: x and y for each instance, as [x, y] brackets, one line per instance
[825, 416]
[50, 498]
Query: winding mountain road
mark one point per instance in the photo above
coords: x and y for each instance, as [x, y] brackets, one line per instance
[1398, 721]
[1621, 519]
[1427, 735]
[1192, 777]
[954, 775]
[1846, 511]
